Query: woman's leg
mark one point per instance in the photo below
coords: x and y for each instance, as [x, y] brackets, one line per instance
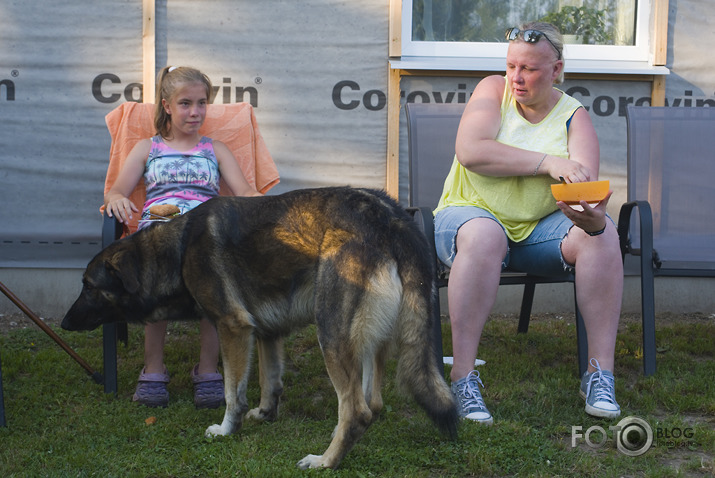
[473, 284]
[599, 288]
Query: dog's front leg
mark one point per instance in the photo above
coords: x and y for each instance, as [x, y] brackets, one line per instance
[236, 345]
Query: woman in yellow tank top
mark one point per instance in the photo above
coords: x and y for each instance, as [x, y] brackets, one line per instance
[517, 136]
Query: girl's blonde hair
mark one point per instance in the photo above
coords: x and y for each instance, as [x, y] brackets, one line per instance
[557, 40]
[169, 81]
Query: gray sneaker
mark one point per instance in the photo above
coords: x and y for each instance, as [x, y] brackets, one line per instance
[469, 399]
[599, 390]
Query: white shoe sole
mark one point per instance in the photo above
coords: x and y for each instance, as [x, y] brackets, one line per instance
[599, 412]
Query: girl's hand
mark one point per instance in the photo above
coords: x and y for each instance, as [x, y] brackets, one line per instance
[121, 208]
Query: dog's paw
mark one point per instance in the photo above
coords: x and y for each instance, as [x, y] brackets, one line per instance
[214, 431]
[311, 461]
[262, 415]
[255, 414]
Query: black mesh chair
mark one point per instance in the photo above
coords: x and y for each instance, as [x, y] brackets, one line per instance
[668, 221]
[432, 130]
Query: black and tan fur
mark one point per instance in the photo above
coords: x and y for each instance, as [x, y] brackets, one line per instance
[349, 260]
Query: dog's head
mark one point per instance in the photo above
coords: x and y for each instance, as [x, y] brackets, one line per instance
[111, 290]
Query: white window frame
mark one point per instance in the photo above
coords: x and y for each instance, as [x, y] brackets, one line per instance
[640, 52]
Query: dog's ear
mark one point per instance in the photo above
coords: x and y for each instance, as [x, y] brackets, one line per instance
[125, 270]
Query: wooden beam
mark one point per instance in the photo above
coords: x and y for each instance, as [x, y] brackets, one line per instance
[660, 32]
[657, 92]
[149, 51]
[395, 29]
[392, 181]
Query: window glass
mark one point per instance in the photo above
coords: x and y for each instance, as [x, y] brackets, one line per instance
[592, 22]
[457, 27]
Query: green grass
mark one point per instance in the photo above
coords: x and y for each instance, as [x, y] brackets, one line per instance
[62, 424]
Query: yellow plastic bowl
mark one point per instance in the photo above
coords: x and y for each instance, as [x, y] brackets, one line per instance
[573, 193]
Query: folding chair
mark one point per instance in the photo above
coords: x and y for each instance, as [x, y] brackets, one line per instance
[233, 124]
[671, 172]
[432, 131]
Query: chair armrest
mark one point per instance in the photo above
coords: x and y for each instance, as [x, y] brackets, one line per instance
[111, 230]
[424, 219]
[645, 217]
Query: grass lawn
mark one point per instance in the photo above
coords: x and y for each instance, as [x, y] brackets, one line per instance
[60, 423]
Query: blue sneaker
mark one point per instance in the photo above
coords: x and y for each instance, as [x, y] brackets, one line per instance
[469, 399]
[599, 390]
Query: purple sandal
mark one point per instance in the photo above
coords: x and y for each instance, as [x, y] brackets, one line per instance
[151, 389]
[208, 389]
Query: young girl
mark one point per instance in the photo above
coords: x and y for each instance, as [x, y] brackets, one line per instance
[182, 168]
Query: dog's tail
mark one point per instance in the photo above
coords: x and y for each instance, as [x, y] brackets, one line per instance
[417, 369]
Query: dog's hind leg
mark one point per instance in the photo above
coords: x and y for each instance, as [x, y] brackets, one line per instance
[354, 415]
[372, 377]
[236, 339]
[270, 369]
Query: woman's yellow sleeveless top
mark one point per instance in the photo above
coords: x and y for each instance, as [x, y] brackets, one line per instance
[518, 202]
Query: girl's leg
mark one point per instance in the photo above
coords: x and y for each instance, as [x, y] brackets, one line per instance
[154, 338]
[208, 357]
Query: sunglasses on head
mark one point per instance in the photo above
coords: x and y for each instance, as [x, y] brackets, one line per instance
[529, 36]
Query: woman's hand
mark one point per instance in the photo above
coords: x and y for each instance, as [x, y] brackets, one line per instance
[591, 219]
[571, 171]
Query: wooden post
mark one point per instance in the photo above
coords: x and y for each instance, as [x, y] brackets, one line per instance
[392, 183]
[149, 51]
[395, 29]
[660, 32]
[392, 179]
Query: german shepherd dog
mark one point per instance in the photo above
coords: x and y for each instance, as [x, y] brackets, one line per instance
[350, 260]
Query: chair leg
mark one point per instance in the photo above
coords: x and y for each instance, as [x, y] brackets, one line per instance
[648, 317]
[111, 231]
[527, 302]
[123, 332]
[647, 287]
[3, 422]
[109, 339]
[437, 332]
[581, 343]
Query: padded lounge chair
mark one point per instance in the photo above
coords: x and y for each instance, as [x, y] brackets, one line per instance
[233, 124]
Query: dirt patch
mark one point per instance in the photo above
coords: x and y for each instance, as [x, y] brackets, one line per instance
[19, 321]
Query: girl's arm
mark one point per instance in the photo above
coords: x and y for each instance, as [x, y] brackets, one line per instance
[231, 171]
[116, 200]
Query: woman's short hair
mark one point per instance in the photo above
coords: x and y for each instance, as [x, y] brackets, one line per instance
[557, 40]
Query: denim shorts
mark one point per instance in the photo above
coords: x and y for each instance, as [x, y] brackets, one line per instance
[539, 254]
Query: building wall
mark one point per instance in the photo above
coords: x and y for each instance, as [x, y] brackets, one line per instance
[315, 71]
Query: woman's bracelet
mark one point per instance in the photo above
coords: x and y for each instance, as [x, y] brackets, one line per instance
[596, 233]
[536, 170]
